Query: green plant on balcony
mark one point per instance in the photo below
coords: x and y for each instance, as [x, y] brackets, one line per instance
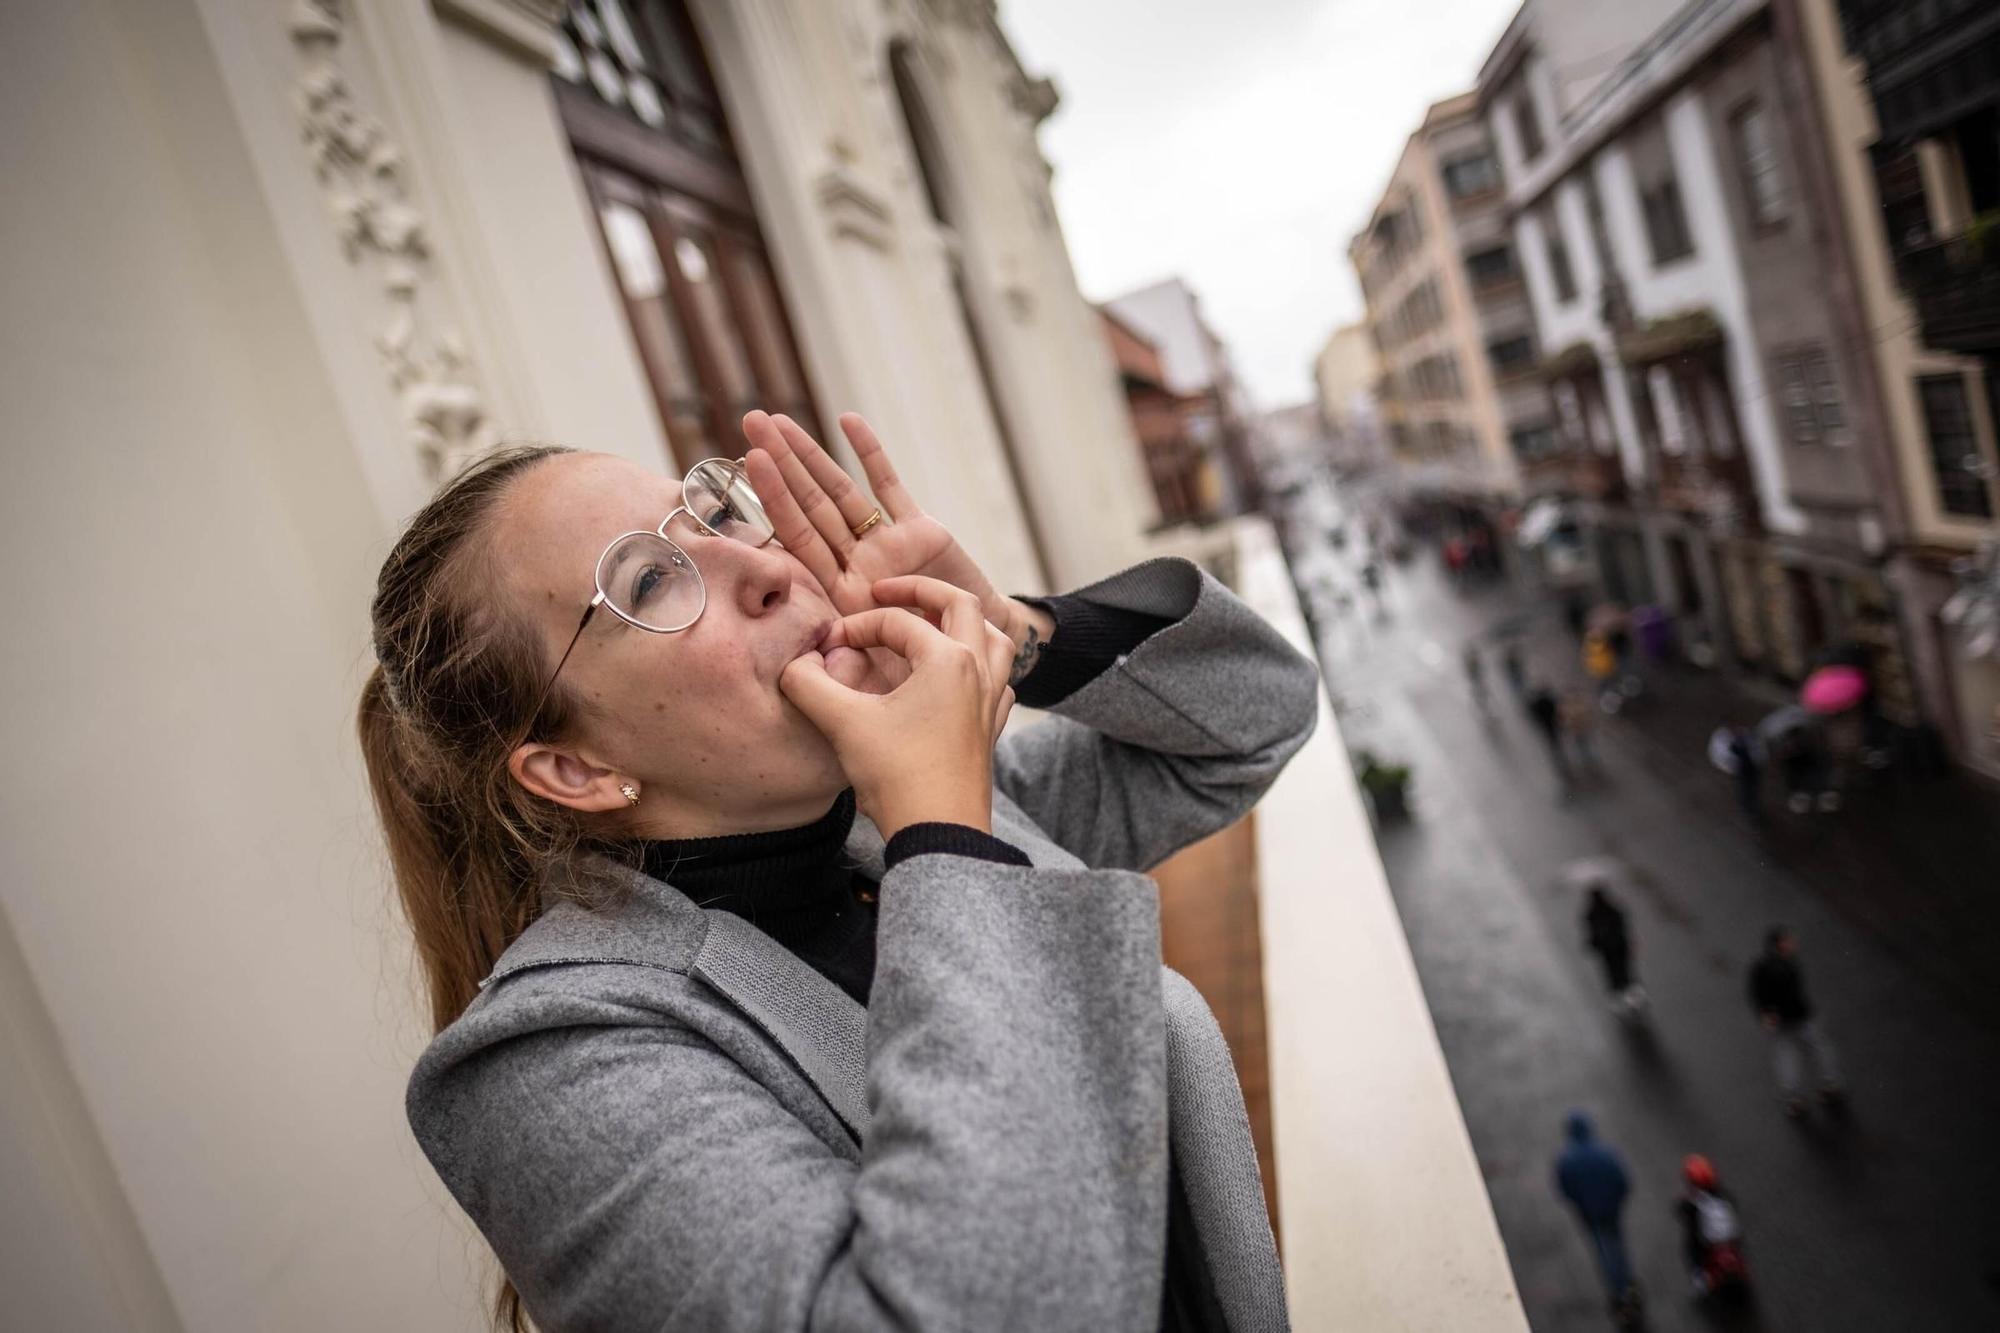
[1387, 785]
[1982, 235]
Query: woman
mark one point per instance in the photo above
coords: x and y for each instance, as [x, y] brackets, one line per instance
[715, 1051]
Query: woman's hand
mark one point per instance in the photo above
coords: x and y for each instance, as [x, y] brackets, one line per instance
[815, 508]
[924, 751]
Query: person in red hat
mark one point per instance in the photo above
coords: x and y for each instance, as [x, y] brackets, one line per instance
[1711, 1231]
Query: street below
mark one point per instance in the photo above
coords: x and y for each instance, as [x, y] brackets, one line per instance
[1883, 1219]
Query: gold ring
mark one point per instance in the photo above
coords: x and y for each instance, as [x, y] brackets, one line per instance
[861, 529]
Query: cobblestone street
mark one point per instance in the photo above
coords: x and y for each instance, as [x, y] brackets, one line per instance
[1882, 1222]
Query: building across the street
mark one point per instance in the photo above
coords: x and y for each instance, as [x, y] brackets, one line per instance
[1912, 97]
[1705, 351]
[1346, 374]
[1186, 478]
[1198, 368]
[1449, 317]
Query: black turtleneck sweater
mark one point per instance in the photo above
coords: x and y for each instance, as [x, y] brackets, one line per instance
[798, 887]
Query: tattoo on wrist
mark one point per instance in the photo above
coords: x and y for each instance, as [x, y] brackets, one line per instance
[1025, 657]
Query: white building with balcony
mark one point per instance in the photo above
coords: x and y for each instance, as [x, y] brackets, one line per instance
[1705, 351]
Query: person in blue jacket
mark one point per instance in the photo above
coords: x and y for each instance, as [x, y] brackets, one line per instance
[1591, 1177]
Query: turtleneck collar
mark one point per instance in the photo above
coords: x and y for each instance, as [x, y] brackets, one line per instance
[783, 879]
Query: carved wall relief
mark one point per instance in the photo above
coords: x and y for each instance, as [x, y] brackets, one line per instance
[363, 176]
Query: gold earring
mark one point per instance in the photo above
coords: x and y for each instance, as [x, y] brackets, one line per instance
[631, 793]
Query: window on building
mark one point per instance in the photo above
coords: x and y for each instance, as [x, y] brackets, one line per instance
[1532, 442]
[1899, 183]
[680, 233]
[1527, 123]
[1559, 270]
[1809, 394]
[1666, 220]
[1475, 173]
[1666, 398]
[1512, 356]
[1757, 164]
[1954, 446]
[1490, 267]
[935, 167]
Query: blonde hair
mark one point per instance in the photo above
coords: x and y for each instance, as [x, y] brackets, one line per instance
[456, 677]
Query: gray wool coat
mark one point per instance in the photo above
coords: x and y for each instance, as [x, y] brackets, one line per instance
[661, 1119]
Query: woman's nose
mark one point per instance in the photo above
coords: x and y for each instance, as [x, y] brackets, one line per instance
[763, 578]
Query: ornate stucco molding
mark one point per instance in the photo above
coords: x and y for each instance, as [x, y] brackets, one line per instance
[362, 174]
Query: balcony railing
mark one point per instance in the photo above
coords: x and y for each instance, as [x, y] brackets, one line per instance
[1579, 472]
[1955, 284]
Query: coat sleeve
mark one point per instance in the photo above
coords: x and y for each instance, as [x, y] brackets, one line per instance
[635, 1175]
[1175, 740]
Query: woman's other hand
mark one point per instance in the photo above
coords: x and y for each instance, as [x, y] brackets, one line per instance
[815, 507]
[924, 751]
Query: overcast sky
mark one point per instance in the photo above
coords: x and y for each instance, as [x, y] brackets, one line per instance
[1240, 144]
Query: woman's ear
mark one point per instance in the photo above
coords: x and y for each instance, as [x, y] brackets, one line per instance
[567, 780]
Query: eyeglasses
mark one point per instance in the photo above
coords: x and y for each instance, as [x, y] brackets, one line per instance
[648, 581]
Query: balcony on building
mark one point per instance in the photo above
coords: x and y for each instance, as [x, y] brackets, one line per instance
[1934, 73]
[1581, 461]
[1687, 416]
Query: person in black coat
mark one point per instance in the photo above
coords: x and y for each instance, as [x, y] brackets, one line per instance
[1606, 934]
[1545, 711]
[1778, 994]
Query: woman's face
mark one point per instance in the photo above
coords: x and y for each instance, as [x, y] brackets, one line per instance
[694, 719]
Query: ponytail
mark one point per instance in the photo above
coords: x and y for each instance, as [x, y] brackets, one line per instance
[452, 693]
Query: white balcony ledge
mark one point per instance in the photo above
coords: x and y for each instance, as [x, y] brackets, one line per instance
[1381, 1206]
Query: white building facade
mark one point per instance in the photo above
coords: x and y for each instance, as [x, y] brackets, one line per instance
[1704, 347]
[271, 270]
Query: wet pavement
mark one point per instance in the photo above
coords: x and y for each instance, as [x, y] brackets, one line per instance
[1883, 1221]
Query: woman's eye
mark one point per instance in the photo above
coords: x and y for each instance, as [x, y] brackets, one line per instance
[646, 582]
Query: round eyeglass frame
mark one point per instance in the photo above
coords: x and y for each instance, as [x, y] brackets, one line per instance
[734, 467]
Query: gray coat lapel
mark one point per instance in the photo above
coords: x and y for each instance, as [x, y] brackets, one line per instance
[816, 1023]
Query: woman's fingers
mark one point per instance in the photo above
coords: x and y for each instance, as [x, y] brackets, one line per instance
[1000, 652]
[946, 605]
[849, 500]
[882, 478]
[794, 530]
[824, 700]
[806, 492]
[902, 633]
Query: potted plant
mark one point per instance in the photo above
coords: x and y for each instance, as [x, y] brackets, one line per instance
[1387, 785]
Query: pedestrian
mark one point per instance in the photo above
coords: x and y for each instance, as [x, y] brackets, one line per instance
[1591, 1176]
[1600, 663]
[1778, 994]
[1512, 668]
[1574, 612]
[1804, 768]
[1475, 677]
[1546, 714]
[1606, 934]
[1733, 749]
[1580, 714]
[1711, 1232]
